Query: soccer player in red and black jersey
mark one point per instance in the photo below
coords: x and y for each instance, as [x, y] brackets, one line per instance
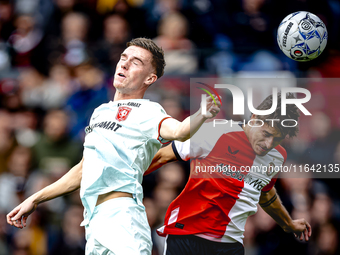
[232, 169]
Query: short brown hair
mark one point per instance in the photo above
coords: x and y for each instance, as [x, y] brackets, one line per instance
[158, 61]
[292, 112]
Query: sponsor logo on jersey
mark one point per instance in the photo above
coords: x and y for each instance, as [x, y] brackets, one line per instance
[229, 171]
[179, 225]
[109, 125]
[88, 130]
[133, 104]
[123, 113]
[256, 182]
[231, 151]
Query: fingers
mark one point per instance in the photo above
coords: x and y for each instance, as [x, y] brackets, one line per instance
[213, 106]
[17, 222]
[24, 220]
[309, 228]
[301, 236]
[214, 101]
[306, 234]
[307, 231]
[212, 112]
[14, 218]
[11, 215]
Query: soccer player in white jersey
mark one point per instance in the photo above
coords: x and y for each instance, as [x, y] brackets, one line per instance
[122, 138]
[227, 181]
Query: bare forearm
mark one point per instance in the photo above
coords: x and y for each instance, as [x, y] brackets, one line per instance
[162, 157]
[272, 205]
[66, 184]
[189, 126]
[172, 129]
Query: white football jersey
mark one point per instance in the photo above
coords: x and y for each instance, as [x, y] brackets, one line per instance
[121, 140]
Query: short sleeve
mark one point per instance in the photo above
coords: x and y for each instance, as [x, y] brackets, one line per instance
[151, 121]
[181, 150]
[201, 143]
[191, 148]
[270, 185]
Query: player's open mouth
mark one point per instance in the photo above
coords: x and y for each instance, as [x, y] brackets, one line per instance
[121, 75]
[262, 149]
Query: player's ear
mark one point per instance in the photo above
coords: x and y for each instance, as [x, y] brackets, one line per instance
[151, 79]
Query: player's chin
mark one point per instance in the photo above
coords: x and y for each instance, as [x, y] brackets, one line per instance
[118, 85]
[261, 152]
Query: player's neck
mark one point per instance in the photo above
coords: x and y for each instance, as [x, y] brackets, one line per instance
[120, 96]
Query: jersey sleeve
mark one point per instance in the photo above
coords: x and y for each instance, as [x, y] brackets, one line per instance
[151, 122]
[269, 186]
[181, 150]
[202, 143]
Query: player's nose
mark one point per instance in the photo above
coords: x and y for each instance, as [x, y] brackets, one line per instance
[124, 65]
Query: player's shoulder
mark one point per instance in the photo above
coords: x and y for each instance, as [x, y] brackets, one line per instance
[282, 151]
[149, 103]
[153, 107]
[278, 153]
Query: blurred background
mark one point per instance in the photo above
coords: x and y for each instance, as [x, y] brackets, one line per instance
[57, 59]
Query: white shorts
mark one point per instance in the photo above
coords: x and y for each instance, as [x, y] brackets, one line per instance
[118, 227]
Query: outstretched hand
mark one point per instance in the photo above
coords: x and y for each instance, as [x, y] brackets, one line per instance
[18, 216]
[301, 229]
[212, 107]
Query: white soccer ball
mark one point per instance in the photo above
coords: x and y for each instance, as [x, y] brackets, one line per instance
[302, 36]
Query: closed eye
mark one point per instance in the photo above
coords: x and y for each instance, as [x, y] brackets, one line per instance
[266, 134]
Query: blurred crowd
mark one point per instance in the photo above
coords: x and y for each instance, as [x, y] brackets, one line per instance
[57, 59]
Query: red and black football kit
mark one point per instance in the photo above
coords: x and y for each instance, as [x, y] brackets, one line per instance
[225, 184]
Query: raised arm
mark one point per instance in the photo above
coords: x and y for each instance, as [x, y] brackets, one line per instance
[66, 184]
[162, 157]
[172, 129]
[271, 204]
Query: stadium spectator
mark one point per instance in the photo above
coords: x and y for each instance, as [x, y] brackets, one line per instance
[56, 152]
[156, 9]
[13, 182]
[37, 92]
[247, 29]
[24, 39]
[7, 139]
[71, 239]
[91, 92]
[4, 235]
[179, 50]
[115, 36]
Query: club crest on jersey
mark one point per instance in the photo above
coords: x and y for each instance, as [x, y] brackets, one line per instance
[123, 113]
[270, 168]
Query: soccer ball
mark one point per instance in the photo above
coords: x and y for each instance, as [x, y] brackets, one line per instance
[302, 36]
